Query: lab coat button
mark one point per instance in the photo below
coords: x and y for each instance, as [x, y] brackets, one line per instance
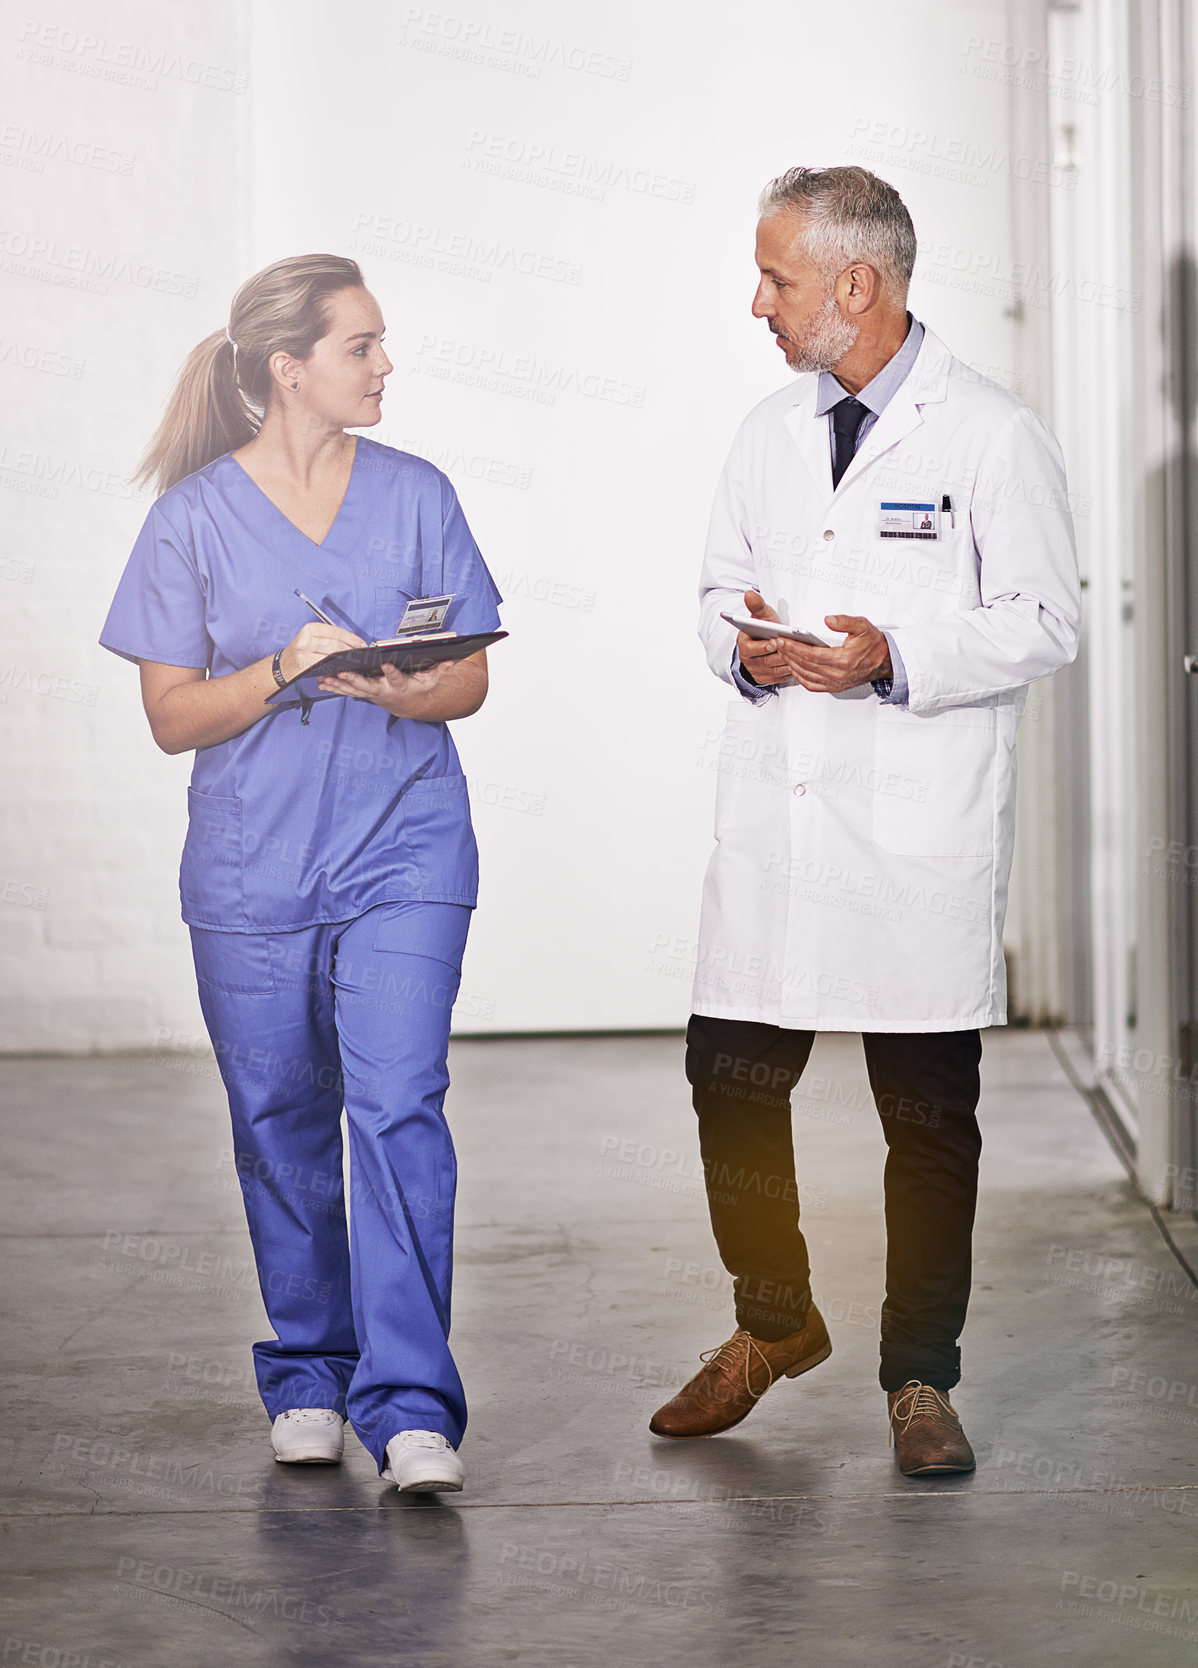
[828, 533]
[800, 790]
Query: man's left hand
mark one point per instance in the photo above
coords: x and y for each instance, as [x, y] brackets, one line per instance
[863, 657]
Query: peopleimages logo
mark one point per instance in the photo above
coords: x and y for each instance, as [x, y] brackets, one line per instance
[202, 1590]
[1019, 64]
[575, 172]
[478, 42]
[126, 62]
[32, 148]
[521, 375]
[986, 273]
[1169, 1606]
[77, 267]
[945, 157]
[463, 254]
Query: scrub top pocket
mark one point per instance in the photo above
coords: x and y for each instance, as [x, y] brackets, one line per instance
[389, 604]
[439, 836]
[211, 875]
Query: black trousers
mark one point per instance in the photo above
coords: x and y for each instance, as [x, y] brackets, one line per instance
[926, 1087]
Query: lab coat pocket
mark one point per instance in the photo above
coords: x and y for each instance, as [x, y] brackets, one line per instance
[440, 837]
[211, 875]
[751, 774]
[934, 783]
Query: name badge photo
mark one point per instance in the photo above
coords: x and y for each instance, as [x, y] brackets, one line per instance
[424, 614]
[907, 521]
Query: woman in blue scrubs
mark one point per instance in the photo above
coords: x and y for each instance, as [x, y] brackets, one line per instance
[330, 867]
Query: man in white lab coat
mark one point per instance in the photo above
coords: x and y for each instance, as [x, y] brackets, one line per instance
[915, 517]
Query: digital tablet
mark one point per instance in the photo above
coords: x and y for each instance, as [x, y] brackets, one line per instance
[762, 629]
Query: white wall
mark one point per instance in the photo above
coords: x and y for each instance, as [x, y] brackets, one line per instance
[448, 151]
[119, 137]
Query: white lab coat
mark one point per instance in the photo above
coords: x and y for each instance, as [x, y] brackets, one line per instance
[859, 880]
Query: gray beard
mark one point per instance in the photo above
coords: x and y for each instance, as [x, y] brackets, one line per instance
[829, 336]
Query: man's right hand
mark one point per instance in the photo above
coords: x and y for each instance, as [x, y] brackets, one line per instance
[760, 658]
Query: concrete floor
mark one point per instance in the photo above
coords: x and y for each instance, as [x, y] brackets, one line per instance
[146, 1524]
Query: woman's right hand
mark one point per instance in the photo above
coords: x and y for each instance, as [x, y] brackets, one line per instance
[311, 643]
[187, 708]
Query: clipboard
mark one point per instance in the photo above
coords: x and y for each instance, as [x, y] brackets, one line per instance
[413, 652]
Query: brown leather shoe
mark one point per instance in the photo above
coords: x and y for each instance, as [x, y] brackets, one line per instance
[926, 1432]
[736, 1376]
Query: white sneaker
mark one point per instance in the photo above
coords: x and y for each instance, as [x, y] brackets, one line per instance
[421, 1462]
[308, 1436]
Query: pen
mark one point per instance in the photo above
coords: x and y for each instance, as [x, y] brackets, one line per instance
[318, 611]
[946, 507]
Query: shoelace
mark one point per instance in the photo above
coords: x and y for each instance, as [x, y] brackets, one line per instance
[919, 1401]
[711, 1358]
[422, 1439]
[310, 1416]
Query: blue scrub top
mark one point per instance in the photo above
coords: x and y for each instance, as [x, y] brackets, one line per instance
[293, 824]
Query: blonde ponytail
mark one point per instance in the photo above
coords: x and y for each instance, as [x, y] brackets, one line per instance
[221, 394]
[204, 418]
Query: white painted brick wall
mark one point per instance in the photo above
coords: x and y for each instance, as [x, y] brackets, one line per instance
[593, 779]
[92, 952]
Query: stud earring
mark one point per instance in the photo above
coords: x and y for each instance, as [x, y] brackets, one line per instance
[295, 386]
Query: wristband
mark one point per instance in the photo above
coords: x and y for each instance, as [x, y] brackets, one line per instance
[276, 668]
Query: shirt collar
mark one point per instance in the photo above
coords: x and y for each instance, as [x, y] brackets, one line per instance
[877, 393]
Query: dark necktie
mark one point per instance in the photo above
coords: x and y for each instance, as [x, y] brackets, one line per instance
[847, 417]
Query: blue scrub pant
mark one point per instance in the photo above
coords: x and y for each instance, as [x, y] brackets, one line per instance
[352, 1013]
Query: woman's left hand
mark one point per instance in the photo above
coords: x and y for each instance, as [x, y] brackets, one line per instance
[450, 689]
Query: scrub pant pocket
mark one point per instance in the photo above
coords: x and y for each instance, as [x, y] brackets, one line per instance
[352, 1013]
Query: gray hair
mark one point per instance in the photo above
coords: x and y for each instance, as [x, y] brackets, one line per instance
[849, 215]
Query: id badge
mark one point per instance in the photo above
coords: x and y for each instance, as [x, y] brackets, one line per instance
[907, 521]
[424, 614]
